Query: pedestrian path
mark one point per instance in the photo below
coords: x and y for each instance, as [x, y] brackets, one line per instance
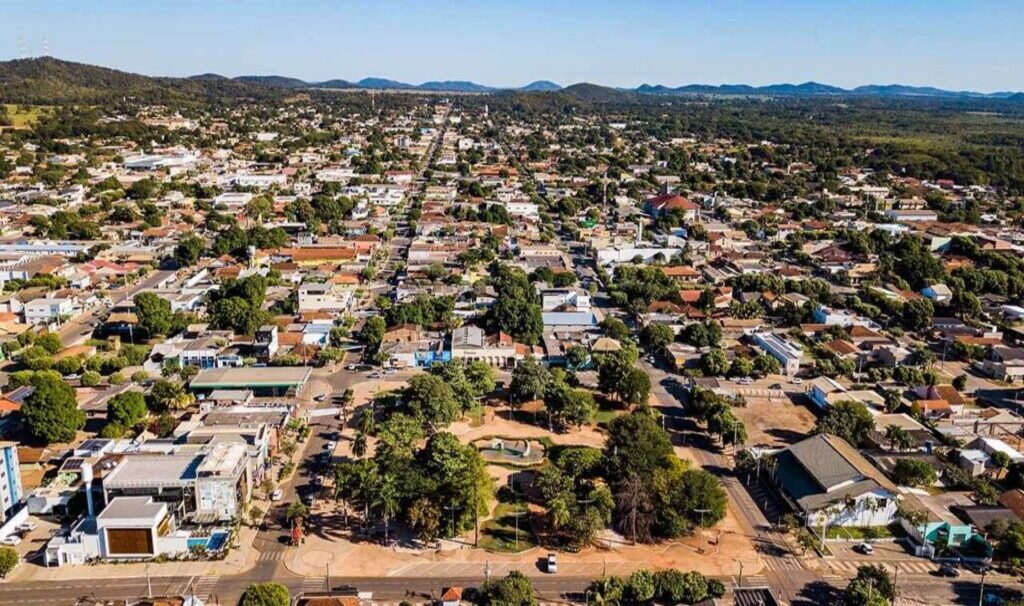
[782, 564]
[271, 556]
[204, 586]
[849, 567]
[754, 580]
[311, 584]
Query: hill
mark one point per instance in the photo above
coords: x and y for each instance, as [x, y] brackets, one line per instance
[594, 93]
[49, 81]
[281, 81]
[541, 86]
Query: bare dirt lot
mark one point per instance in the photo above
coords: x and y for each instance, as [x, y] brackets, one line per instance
[775, 421]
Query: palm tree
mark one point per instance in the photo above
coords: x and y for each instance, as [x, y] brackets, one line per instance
[558, 513]
[387, 501]
[359, 445]
[367, 422]
[898, 437]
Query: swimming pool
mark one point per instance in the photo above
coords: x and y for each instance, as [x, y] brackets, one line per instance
[215, 542]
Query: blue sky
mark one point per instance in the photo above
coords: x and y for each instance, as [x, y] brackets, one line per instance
[973, 45]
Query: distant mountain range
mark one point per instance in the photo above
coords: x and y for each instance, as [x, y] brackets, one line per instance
[807, 89]
[49, 80]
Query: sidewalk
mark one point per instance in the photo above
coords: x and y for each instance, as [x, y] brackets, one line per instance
[239, 560]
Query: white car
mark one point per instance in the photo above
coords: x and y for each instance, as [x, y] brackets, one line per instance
[797, 381]
[552, 564]
[11, 540]
[276, 495]
[330, 446]
[28, 526]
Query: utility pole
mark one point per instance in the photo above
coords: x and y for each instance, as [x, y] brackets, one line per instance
[149, 584]
[981, 590]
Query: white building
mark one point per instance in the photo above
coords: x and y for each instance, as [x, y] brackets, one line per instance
[43, 311]
[788, 354]
[10, 480]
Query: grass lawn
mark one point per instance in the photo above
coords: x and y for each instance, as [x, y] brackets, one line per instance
[499, 533]
[863, 534]
[24, 119]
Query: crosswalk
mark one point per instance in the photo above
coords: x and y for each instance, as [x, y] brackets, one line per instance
[204, 586]
[782, 564]
[849, 567]
[271, 556]
[754, 580]
[311, 584]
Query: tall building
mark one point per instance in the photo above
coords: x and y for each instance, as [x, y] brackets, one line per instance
[10, 480]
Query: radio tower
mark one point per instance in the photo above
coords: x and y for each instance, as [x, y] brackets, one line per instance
[22, 48]
[46, 47]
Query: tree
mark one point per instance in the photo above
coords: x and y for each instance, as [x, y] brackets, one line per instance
[425, 518]
[912, 472]
[296, 509]
[372, 334]
[568, 405]
[635, 387]
[640, 587]
[655, 337]
[765, 365]
[899, 438]
[741, 367]
[917, 314]
[960, 382]
[636, 446]
[154, 313]
[167, 394]
[188, 250]
[515, 589]
[8, 560]
[127, 409]
[432, 401]
[634, 510]
[714, 363]
[871, 587]
[966, 304]
[265, 594]
[529, 381]
[1000, 462]
[515, 310]
[673, 586]
[847, 419]
[615, 328]
[51, 412]
[577, 357]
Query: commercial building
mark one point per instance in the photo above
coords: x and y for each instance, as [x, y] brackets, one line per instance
[270, 380]
[788, 354]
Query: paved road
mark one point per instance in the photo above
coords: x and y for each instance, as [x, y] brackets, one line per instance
[80, 328]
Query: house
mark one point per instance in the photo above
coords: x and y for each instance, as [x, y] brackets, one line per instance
[1004, 363]
[470, 343]
[825, 391]
[45, 310]
[939, 292]
[669, 202]
[452, 596]
[826, 480]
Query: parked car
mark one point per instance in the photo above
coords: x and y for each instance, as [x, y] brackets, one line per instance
[865, 548]
[948, 570]
[276, 495]
[27, 526]
[11, 540]
[320, 398]
[797, 381]
[552, 565]
[330, 446]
